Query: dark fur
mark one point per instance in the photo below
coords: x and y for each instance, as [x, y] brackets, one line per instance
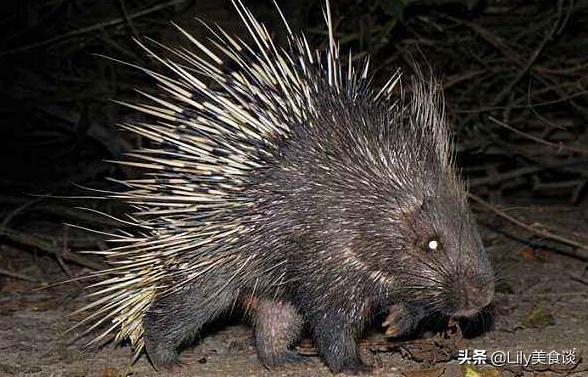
[336, 234]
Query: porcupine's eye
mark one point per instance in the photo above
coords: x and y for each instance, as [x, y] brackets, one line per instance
[433, 244]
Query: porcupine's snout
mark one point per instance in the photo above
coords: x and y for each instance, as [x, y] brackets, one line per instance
[475, 293]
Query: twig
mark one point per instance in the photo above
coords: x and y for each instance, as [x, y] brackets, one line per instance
[525, 106]
[75, 214]
[542, 233]
[20, 209]
[537, 139]
[451, 81]
[577, 278]
[16, 275]
[64, 251]
[91, 28]
[32, 241]
[504, 176]
[123, 7]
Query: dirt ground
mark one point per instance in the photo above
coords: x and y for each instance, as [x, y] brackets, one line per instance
[541, 305]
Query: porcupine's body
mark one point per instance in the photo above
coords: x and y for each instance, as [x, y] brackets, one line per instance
[296, 188]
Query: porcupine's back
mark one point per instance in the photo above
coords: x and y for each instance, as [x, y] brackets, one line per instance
[222, 162]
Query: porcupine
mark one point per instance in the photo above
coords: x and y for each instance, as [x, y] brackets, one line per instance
[289, 182]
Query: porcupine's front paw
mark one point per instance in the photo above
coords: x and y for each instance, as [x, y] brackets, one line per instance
[402, 320]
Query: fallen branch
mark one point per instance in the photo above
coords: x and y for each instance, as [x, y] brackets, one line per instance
[540, 232]
[32, 241]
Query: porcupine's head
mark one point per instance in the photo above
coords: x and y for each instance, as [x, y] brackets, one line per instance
[404, 208]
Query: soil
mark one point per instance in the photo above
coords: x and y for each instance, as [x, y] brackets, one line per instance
[541, 305]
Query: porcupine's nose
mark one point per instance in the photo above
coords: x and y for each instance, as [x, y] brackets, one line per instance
[475, 297]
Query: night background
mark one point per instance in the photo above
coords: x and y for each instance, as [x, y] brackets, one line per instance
[515, 79]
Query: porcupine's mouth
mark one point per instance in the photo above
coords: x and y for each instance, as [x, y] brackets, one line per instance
[474, 300]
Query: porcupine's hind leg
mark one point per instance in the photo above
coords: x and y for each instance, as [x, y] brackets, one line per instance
[175, 318]
[277, 327]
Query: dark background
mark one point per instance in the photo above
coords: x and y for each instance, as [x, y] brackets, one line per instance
[521, 62]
